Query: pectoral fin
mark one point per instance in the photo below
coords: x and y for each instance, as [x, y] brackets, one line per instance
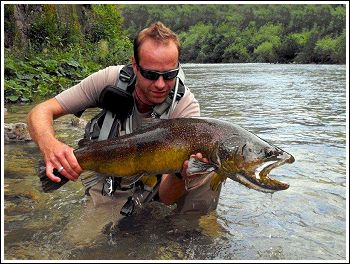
[47, 184]
[216, 179]
[90, 178]
[196, 166]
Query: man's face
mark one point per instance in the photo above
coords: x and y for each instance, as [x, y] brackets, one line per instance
[156, 57]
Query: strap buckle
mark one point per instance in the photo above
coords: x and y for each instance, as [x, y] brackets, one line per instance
[109, 186]
[128, 207]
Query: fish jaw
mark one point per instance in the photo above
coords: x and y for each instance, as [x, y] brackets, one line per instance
[259, 179]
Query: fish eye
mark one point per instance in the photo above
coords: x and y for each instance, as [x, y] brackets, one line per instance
[269, 152]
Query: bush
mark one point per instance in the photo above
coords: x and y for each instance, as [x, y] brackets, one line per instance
[42, 75]
[65, 44]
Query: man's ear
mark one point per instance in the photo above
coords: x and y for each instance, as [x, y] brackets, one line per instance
[133, 63]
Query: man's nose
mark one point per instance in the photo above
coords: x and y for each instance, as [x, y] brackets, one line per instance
[160, 83]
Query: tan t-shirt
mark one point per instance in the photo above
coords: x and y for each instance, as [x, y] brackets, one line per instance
[86, 94]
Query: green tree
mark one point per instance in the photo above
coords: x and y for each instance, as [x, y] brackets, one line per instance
[327, 49]
[307, 54]
[56, 45]
[266, 33]
[267, 42]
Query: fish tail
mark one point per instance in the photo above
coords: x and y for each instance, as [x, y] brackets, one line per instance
[47, 184]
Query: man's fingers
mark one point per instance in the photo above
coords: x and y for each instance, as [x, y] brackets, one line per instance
[66, 164]
[200, 157]
[73, 163]
[50, 175]
[66, 171]
[69, 164]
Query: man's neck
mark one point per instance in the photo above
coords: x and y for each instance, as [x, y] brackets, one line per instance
[142, 105]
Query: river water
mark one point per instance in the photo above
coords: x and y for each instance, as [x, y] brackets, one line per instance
[300, 108]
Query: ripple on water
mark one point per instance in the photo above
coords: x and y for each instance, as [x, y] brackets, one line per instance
[301, 108]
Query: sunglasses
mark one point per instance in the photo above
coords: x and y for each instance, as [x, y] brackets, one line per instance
[154, 75]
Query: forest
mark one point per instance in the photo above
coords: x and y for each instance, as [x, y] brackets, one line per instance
[48, 47]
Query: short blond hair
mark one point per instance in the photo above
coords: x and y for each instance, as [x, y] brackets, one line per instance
[158, 32]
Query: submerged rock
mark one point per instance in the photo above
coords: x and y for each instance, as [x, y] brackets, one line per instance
[78, 122]
[16, 132]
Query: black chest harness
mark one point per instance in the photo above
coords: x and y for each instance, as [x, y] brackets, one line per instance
[117, 105]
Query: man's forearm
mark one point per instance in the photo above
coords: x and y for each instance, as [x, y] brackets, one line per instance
[40, 125]
[171, 189]
[40, 121]
[56, 154]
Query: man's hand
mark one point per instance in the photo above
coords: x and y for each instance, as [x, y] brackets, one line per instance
[58, 155]
[194, 180]
[172, 188]
[197, 156]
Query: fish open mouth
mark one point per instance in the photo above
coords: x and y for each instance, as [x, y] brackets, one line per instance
[260, 179]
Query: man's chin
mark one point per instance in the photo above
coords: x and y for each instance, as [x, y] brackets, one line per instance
[158, 99]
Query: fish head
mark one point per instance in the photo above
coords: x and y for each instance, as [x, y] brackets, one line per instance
[250, 161]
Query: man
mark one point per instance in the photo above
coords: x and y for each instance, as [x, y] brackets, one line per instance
[155, 65]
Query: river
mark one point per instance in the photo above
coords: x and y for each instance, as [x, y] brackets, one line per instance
[300, 108]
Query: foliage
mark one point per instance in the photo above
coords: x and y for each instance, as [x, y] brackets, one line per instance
[327, 48]
[105, 22]
[65, 43]
[57, 26]
[42, 75]
[279, 33]
[59, 44]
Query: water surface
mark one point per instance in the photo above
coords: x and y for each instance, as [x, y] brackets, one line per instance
[300, 108]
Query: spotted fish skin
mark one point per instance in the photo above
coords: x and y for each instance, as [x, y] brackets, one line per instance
[233, 152]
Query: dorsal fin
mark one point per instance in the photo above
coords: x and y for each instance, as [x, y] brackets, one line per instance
[84, 142]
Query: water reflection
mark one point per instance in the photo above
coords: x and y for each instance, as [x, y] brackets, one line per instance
[300, 108]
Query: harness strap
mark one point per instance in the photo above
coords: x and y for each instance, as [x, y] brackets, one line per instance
[107, 125]
[158, 110]
[126, 77]
[169, 103]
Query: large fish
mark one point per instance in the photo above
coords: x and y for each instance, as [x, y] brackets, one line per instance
[232, 151]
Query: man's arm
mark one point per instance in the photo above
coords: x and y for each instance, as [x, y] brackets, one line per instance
[56, 154]
[172, 188]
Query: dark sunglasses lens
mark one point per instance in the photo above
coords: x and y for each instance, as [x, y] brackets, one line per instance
[151, 75]
[170, 75]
